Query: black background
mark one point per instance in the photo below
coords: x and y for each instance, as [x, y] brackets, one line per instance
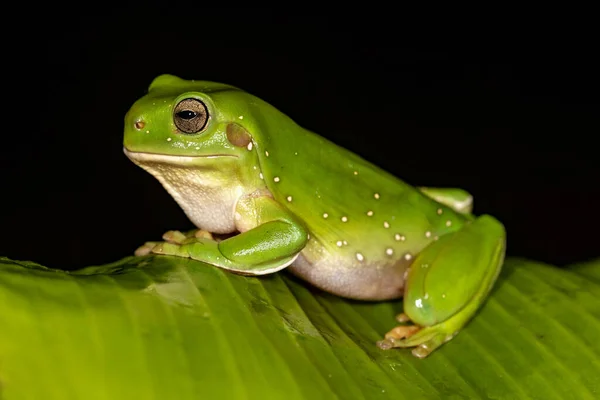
[511, 118]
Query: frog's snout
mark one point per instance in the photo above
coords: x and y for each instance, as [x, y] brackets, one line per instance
[134, 118]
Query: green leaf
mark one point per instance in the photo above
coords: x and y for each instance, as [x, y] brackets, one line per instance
[170, 328]
[590, 269]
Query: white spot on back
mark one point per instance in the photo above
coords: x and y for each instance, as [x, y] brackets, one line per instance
[376, 195]
[250, 146]
[276, 179]
[169, 139]
[440, 211]
[266, 153]
[359, 257]
[339, 243]
[448, 223]
[407, 256]
[289, 198]
[325, 215]
[355, 172]
[399, 237]
[386, 224]
[369, 213]
[427, 234]
[261, 175]
[241, 117]
[389, 251]
[344, 219]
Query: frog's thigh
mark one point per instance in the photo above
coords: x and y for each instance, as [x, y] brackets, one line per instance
[448, 281]
[459, 200]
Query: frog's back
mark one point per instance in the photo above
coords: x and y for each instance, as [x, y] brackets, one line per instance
[342, 197]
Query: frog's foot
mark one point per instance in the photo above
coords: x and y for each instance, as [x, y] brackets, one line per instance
[145, 249]
[178, 237]
[407, 336]
[402, 331]
[173, 237]
[175, 242]
[170, 249]
[424, 340]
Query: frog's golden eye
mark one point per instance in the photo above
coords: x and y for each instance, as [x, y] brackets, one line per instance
[190, 115]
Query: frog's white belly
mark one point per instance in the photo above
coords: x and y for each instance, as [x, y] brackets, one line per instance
[346, 278]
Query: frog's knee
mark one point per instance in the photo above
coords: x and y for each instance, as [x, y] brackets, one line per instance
[489, 227]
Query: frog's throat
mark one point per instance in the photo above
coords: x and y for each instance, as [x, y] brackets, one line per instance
[202, 186]
[142, 157]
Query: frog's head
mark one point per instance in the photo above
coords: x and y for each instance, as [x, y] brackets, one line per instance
[185, 121]
[194, 135]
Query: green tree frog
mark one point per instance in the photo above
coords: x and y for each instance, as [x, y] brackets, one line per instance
[276, 195]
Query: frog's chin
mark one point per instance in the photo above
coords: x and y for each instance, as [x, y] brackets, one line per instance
[144, 157]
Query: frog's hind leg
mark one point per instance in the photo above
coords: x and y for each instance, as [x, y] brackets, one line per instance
[459, 200]
[447, 283]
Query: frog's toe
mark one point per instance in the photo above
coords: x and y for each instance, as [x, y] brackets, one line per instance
[175, 237]
[429, 345]
[423, 340]
[202, 234]
[402, 318]
[170, 249]
[394, 338]
[145, 249]
[402, 332]
[172, 243]
[178, 237]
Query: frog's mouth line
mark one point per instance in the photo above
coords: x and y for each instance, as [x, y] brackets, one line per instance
[169, 158]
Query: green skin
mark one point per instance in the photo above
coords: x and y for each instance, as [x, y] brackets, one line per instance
[293, 199]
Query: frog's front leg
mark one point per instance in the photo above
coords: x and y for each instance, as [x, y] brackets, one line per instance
[447, 283]
[274, 241]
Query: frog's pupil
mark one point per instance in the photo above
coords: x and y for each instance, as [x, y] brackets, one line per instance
[186, 114]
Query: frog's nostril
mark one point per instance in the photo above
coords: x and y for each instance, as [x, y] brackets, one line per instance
[139, 125]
